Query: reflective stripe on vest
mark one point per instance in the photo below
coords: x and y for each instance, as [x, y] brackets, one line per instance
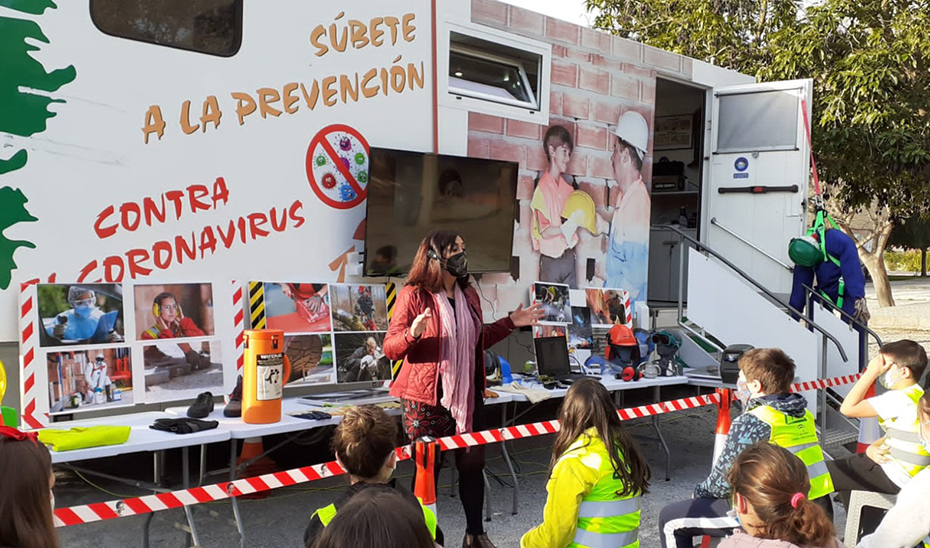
[901, 436]
[153, 332]
[604, 519]
[607, 508]
[591, 539]
[798, 435]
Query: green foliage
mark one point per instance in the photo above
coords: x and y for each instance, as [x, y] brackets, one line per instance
[903, 261]
[868, 60]
[912, 233]
[53, 299]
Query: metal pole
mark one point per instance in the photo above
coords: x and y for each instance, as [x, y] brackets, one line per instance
[681, 276]
[822, 393]
[713, 221]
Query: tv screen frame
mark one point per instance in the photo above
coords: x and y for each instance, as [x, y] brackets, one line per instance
[461, 198]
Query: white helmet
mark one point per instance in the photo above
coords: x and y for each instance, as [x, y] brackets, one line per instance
[633, 129]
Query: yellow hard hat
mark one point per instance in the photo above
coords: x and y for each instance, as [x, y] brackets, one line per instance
[581, 201]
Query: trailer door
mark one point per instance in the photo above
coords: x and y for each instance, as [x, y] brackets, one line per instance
[759, 168]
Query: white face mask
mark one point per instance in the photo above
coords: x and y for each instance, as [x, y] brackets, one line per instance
[52, 497]
[887, 379]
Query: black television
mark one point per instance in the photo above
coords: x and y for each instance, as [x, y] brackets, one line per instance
[411, 194]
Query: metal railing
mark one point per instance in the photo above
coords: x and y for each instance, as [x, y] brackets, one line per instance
[826, 335]
[716, 223]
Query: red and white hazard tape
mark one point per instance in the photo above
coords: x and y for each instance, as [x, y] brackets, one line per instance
[824, 383]
[239, 318]
[77, 515]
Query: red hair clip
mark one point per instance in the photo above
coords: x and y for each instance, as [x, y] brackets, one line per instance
[18, 435]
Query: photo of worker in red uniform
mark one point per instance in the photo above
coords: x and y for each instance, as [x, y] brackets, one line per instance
[297, 307]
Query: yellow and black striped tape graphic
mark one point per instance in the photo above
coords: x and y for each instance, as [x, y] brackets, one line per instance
[257, 305]
[391, 292]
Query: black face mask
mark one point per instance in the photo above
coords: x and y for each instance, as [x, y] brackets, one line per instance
[457, 265]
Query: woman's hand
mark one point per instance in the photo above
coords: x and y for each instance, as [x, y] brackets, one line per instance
[522, 317]
[418, 327]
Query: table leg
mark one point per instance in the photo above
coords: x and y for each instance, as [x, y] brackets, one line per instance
[233, 473]
[506, 455]
[487, 496]
[188, 511]
[657, 394]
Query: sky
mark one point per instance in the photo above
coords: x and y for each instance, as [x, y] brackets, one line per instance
[568, 10]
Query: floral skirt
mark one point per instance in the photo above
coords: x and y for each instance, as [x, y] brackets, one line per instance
[422, 419]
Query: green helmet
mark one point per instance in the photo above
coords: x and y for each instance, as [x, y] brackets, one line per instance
[805, 251]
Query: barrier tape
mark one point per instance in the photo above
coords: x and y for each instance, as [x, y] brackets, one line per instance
[100, 511]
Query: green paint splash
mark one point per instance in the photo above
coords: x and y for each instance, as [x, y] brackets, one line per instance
[22, 112]
[12, 210]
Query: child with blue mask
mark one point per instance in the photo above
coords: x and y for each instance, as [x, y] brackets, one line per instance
[890, 462]
[908, 522]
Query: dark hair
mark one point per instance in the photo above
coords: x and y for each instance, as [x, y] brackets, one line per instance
[376, 517]
[162, 296]
[634, 154]
[25, 509]
[771, 367]
[909, 354]
[557, 136]
[364, 440]
[426, 273]
[768, 477]
[588, 405]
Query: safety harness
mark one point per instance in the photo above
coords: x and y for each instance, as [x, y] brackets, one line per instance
[817, 232]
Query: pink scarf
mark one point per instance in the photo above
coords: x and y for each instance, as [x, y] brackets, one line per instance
[457, 363]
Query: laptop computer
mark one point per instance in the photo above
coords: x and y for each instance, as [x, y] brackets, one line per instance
[552, 359]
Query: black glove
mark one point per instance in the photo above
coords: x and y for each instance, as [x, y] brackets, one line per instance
[183, 425]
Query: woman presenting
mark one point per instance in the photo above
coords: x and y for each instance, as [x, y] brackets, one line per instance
[438, 331]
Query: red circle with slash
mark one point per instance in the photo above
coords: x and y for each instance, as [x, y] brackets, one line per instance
[321, 139]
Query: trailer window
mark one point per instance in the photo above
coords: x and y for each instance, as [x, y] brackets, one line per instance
[213, 27]
[493, 72]
[758, 121]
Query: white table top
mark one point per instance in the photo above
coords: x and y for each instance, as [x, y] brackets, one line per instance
[608, 381]
[141, 437]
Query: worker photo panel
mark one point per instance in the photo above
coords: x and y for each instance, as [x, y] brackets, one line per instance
[359, 357]
[555, 301]
[608, 306]
[173, 311]
[179, 370]
[72, 314]
[312, 359]
[359, 307]
[89, 379]
[291, 307]
[580, 331]
[544, 331]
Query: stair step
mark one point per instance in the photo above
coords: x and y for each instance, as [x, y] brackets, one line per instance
[834, 438]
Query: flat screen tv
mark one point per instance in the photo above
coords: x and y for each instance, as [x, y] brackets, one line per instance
[411, 194]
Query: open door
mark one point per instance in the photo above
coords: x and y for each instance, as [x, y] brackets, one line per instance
[756, 198]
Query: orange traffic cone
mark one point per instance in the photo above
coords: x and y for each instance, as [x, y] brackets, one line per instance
[723, 421]
[253, 450]
[425, 451]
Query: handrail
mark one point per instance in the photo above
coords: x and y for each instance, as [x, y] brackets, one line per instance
[714, 221]
[811, 291]
[703, 247]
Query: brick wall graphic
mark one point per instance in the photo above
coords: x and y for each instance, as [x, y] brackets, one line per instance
[595, 78]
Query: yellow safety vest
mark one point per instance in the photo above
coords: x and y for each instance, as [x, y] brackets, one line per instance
[905, 447]
[604, 520]
[799, 435]
[327, 513]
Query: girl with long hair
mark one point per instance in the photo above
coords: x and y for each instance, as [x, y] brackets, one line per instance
[770, 487]
[438, 331]
[597, 476]
[26, 499]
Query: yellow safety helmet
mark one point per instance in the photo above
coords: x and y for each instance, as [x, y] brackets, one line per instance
[581, 201]
[2, 381]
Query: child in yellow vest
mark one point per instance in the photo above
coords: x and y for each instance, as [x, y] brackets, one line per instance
[894, 459]
[597, 477]
[364, 444]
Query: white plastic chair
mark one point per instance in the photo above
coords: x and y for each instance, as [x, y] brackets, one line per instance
[858, 500]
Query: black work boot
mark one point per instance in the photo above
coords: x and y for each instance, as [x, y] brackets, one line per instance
[202, 407]
[234, 407]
